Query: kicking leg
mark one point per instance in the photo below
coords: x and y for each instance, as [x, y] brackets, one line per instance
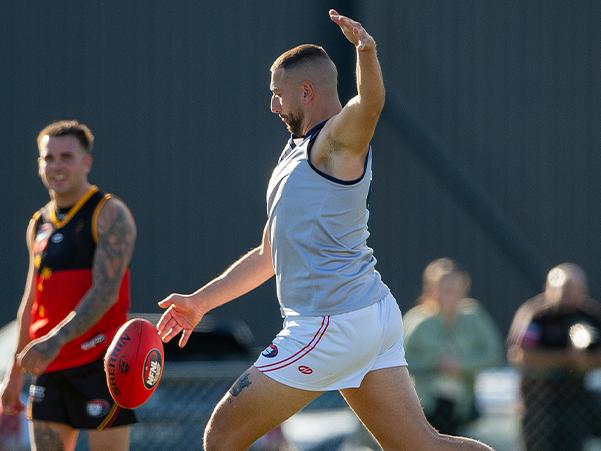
[253, 406]
[387, 404]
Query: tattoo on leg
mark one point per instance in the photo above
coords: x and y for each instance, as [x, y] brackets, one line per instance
[242, 382]
[46, 438]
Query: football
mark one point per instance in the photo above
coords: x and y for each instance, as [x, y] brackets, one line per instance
[133, 363]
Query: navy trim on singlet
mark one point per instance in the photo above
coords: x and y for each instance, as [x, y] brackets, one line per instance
[312, 134]
[309, 134]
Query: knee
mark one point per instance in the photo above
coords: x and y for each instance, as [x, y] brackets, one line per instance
[218, 436]
[214, 436]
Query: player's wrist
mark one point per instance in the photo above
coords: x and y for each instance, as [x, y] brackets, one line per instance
[200, 303]
[14, 376]
[366, 46]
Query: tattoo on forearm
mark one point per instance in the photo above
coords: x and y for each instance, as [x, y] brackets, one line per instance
[115, 246]
[46, 438]
[242, 382]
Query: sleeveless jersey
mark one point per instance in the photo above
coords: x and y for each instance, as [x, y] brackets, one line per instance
[63, 253]
[318, 232]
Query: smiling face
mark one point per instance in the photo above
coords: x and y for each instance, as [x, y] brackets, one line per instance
[286, 101]
[63, 166]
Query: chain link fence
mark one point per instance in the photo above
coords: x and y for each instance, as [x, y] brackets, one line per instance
[560, 414]
[537, 414]
[551, 416]
[176, 415]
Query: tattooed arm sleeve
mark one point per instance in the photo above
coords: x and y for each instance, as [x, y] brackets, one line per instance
[116, 239]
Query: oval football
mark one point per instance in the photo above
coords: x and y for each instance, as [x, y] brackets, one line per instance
[133, 363]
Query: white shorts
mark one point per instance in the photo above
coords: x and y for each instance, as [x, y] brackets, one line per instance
[322, 353]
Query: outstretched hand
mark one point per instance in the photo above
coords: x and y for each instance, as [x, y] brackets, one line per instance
[353, 31]
[182, 315]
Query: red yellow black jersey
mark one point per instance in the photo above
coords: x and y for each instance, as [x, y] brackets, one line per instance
[63, 252]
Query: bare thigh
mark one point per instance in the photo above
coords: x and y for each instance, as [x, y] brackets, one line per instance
[113, 439]
[253, 406]
[50, 436]
[387, 404]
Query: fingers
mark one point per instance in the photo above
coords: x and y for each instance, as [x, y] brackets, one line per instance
[166, 319]
[179, 317]
[353, 30]
[338, 18]
[184, 338]
[166, 302]
[343, 20]
[168, 327]
[168, 334]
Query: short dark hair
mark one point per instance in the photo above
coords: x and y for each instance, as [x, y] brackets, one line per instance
[298, 55]
[71, 127]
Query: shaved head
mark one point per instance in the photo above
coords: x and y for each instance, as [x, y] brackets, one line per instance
[308, 62]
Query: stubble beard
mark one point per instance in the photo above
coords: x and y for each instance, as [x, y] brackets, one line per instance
[294, 123]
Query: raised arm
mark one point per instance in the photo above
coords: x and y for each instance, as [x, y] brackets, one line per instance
[184, 312]
[116, 239]
[352, 129]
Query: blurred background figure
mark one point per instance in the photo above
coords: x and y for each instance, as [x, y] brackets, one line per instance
[448, 339]
[554, 341]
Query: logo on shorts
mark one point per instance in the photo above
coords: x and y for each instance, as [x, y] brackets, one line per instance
[37, 393]
[270, 351]
[97, 407]
[305, 369]
[57, 238]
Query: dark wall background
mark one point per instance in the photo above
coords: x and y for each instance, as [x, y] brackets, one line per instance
[488, 150]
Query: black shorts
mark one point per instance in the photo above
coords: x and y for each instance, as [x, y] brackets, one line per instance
[78, 397]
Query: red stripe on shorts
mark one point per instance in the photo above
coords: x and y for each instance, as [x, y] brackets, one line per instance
[302, 352]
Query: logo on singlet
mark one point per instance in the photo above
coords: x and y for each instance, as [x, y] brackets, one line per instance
[41, 238]
[57, 238]
[270, 351]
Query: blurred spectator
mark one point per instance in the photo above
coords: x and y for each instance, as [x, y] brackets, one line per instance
[555, 340]
[448, 339]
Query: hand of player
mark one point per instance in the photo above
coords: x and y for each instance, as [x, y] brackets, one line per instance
[37, 355]
[11, 396]
[182, 315]
[353, 31]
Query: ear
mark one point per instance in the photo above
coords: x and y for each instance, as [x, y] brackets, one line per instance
[88, 160]
[308, 92]
[40, 170]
